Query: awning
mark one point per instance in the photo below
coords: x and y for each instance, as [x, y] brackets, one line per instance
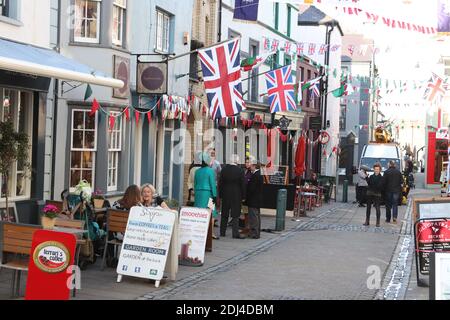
[33, 60]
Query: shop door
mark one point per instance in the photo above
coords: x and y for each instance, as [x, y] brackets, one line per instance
[164, 161]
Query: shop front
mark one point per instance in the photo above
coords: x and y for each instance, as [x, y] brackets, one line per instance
[28, 101]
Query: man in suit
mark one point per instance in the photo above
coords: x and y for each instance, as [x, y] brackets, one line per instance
[232, 192]
[254, 200]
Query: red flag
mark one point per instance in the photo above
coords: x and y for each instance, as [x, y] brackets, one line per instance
[158, 104]
[112, 121]
[95, 107]
[127, 113]
[149, 117]
[136, 115]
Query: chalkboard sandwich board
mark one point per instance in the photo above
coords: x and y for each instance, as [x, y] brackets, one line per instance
[276, 175]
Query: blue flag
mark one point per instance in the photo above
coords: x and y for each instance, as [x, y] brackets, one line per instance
[246, 10]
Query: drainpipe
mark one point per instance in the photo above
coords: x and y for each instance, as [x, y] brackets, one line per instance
[55, 106]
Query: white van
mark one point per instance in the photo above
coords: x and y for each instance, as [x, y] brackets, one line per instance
[381, 153]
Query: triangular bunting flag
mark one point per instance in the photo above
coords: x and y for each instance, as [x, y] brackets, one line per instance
[95, 107]
[127, 113]
[88, 92]
[149, 116]
[112, 122]
[136, 116]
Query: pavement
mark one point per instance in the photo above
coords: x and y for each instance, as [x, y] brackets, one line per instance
[327, 255]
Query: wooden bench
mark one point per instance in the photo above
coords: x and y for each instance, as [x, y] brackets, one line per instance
[17, 240]
[116, 221]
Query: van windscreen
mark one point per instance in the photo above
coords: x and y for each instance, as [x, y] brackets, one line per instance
[370, 162]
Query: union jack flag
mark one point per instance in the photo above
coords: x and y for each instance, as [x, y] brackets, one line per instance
[436, 88]
[222, 78]
[280, 88]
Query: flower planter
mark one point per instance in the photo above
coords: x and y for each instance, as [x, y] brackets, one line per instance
[48, 223]
[98, 203]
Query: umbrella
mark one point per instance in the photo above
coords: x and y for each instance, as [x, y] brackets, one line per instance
[300, 157]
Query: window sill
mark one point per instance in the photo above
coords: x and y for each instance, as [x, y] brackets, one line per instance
[98, 45]
[166, 53]
[11, 21]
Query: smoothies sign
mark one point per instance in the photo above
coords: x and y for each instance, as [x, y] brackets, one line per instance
[432, 236]
[51, 255]
[146, 243]
[194, 224]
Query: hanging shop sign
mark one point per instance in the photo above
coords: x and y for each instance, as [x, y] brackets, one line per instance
[122, 72]
[52, 253]
[194, 224]
[151, 77]
[146, 243]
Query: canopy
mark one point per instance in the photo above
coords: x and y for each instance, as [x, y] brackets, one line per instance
[33, 60]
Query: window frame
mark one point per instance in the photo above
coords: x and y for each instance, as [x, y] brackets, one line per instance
[85, 39]
[116, 150]
[165, 17]
[93, 150]
[121, 7]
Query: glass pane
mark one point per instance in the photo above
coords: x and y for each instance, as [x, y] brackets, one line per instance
[76, 159]
[91, 10]
[88, 160]
[75, 176]
[90, 122]
[77, 139]
[78, 120]
[9, 102]
[89, 139]
[91, 29]
[22, 112]
[116, 26]
[21, 184]
[87, 175]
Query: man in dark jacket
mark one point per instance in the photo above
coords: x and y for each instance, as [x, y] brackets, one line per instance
[232, 192]
[254, 200]
[393, 181]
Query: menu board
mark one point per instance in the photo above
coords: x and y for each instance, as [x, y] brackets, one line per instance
[276, 175]
[432, 236]
[146, 243]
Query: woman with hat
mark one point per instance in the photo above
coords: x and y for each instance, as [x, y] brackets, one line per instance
[205, 185]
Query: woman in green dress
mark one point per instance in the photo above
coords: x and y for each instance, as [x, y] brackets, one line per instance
[205, 185]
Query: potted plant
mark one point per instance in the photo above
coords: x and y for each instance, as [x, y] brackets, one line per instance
[98, 199]
[50, 213]
[14, 148]
[172, 204]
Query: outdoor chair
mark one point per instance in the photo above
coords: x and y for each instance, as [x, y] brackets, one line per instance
[16, 240]
[116, 221]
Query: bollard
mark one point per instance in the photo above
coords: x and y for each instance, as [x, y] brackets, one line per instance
[281, 209]
[345, 191]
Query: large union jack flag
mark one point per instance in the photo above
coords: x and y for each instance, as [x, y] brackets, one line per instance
[222, 79]
[280, 88]
[435, 88]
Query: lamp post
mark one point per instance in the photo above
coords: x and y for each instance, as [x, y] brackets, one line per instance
[314, 17]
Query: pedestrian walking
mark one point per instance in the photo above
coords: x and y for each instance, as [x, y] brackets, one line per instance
[393, 181]
[374, 190]
[361, 186]
[232, 193]
[254, 200]
[217, 167]
[205, 186]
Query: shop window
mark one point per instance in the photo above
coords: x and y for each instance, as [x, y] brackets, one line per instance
[119, 10]
[162, 31]
[17, 107]
[342, 117]
[83, 147]
[4, 8]
[114, 150]
[87, 21]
